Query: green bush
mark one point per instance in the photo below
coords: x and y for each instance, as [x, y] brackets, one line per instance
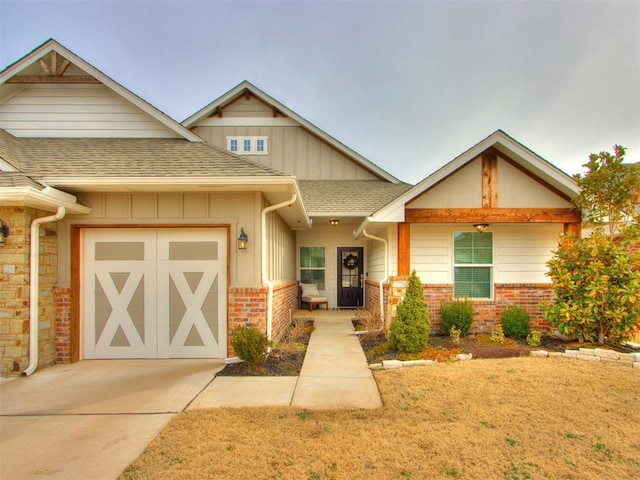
[515, 322]
[409, 332]
[250, 344]
[456, 313]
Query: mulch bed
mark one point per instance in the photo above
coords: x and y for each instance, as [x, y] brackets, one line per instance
[441, 347]
[284, 359]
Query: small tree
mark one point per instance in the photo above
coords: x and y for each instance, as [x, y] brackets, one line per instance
[597, 278]
[409, 332]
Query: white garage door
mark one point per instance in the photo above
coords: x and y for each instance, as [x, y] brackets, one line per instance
[154, 293]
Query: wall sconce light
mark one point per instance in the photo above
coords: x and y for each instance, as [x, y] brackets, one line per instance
[481, 227]
[4, 232]
[242, 240]
[334, 222]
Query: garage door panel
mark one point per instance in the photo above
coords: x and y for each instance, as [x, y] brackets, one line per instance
[155, 293]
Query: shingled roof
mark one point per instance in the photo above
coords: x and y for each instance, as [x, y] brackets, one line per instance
[126, 157]
[348, 197]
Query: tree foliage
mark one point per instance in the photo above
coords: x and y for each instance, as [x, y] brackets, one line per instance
[597, 278]
[409, 332]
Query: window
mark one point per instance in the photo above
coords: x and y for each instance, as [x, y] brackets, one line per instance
[249, 145]
[473, 264]
[312, 265]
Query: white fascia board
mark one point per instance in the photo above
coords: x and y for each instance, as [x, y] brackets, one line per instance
[88, 182]
[6, 166]
[47, 199]
[138, 102]
[341, 147]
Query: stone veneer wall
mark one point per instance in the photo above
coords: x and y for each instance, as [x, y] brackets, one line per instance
[14, 290]
[487, 313]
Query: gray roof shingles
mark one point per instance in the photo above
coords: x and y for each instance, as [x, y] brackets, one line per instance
[326, 197]
[127, 157]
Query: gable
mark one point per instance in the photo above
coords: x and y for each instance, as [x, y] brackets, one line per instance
[75, 111]
[295, 146]
[51, 92]
[511, 188]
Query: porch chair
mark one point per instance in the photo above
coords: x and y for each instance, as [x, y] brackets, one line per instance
[309, 294]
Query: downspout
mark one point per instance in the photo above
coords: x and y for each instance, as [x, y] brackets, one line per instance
[386, 270]
[34, 286]
[265, 277]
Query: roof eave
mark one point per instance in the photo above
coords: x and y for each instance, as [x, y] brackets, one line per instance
[47, 199]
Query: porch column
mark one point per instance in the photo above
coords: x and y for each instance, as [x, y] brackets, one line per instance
[404, 249]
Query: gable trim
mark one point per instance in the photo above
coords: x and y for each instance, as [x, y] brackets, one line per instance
[278, 107]
[8, 76]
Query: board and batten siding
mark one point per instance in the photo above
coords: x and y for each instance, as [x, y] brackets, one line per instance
[291, 150]
[281, 248]
[176, 209]
[520, 252]
[76, 111]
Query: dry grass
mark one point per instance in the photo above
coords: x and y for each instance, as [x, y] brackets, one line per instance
[517, 418]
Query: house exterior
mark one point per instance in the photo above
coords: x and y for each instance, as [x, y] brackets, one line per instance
[123, 226]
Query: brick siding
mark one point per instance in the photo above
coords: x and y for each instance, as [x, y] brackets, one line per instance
[487, 313]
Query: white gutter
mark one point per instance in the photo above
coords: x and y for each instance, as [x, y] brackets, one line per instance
[265, 278]
[34, 284]
[386, 270]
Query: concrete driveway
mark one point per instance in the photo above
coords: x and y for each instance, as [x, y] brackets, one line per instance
[92, 418]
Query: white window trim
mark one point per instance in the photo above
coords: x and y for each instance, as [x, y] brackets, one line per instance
[254, 144]
[492, 266]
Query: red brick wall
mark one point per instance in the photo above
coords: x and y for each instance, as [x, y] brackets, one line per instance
[247, 306]
[372, 297]
[285, 303]
[62, 302]
[487, 312]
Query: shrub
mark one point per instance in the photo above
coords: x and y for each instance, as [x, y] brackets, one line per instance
[409, 332]
[533, 339]
[497, 336]
[515, 322]
[455, 335]
[456, 313]
[249, 343]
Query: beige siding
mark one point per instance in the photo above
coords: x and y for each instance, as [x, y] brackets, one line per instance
[463, 189]
[281, 249]
[520, 252]
[247, 107]
[291, 150]
[76, 111]
[375, 261]
[431, 253]
[183, 209]
[518, 190]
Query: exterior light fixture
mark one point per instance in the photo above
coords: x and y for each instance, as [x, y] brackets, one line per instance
[4, 232]
[242, 240]
[334, 222]
[481, 227]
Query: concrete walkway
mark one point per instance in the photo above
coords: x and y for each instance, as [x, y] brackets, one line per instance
[335, 374]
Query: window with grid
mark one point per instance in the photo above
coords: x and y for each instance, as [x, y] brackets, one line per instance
[473, 264]
[312, 265]
[233, 145]
[248, 145]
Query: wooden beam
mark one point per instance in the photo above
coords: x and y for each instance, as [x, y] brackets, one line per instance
[573, 228]
[76, 79]
[53, 60]
[404, 249]
[63, 67]
[44, 66]
[489, 179]
[492, 215]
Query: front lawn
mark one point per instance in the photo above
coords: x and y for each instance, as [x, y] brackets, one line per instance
[516, 418]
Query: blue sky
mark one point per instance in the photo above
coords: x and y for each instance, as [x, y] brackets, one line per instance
[409, 85]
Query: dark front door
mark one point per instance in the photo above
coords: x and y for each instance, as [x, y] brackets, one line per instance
[350, 278]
